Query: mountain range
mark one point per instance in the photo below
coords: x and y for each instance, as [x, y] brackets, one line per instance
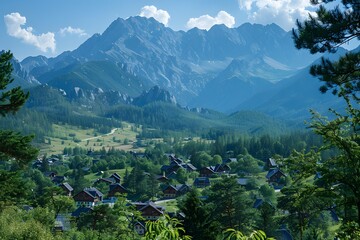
[251, 67]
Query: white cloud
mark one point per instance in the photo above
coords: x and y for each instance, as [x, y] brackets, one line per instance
[159, 14]
[206, 21]
[74, 31]
[44, 41]
[282, 12]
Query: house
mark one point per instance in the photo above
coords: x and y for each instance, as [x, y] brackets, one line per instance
[201, 182]
[229, 160]
[89, 197]
[59, 179]
[172, 175]
[170, 191]
[189, 167]
[62, 223]
[107, 181]
[67, 188]
[37, 163]
[162, 178]
[275, 176]
[206, 172]
[221, 168]
[149, 210]
[271, 163]
[50, 175]
[116, 177]
[116, 188]
[183, 189]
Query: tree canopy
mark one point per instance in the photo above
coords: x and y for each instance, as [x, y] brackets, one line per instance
[326, 31]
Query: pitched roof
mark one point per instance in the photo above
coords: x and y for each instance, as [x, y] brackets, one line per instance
[116, 176]
[114, 185]
[140, 206]
[189, 166]
[272, 162]
[170, 186]
[94, 192]
[67, 186]
[272, 172]
[211, 169]
[154, 206]
[182, 187]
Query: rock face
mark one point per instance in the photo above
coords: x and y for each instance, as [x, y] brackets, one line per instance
[226, 69]
[155, 94]
[182, 63]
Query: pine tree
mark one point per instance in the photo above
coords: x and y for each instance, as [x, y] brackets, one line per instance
[197, 221]
[13, 145]
[327, 31]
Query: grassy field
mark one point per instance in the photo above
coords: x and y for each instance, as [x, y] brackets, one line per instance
[71, 136]
[169, 205]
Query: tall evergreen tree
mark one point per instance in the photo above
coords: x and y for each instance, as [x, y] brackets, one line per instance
[326, 31]
[12, 145]
[230, 205]
[197, 222]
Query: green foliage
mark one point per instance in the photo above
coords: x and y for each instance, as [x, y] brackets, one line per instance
[10, 100]
[232, 234]
[18, 224]
[304, 200]
[13, 189]
[245, 164]
[13, 145]
[230, 205]
[326, 31]
[57, 202]
[165, 228]
[101, 219]
[197, 223]
[350, 230]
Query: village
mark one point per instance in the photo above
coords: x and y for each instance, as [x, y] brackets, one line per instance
[106, 190]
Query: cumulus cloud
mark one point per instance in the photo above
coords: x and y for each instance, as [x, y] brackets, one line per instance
[14, 23]
[282, 12]
[206, 21]
[159, 14]
[72, 31]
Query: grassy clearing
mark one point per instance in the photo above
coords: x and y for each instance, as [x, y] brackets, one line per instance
[71, 136]
[170, 206]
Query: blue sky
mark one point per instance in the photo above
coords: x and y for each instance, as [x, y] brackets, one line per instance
[49, 27]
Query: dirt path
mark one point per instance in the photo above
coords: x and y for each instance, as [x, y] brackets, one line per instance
[107, 134]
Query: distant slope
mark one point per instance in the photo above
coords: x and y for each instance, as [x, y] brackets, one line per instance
[241, 80]
[93, 75]
[293, 98]
[177, 61]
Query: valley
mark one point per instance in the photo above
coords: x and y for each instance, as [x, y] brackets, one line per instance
[144, 132]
